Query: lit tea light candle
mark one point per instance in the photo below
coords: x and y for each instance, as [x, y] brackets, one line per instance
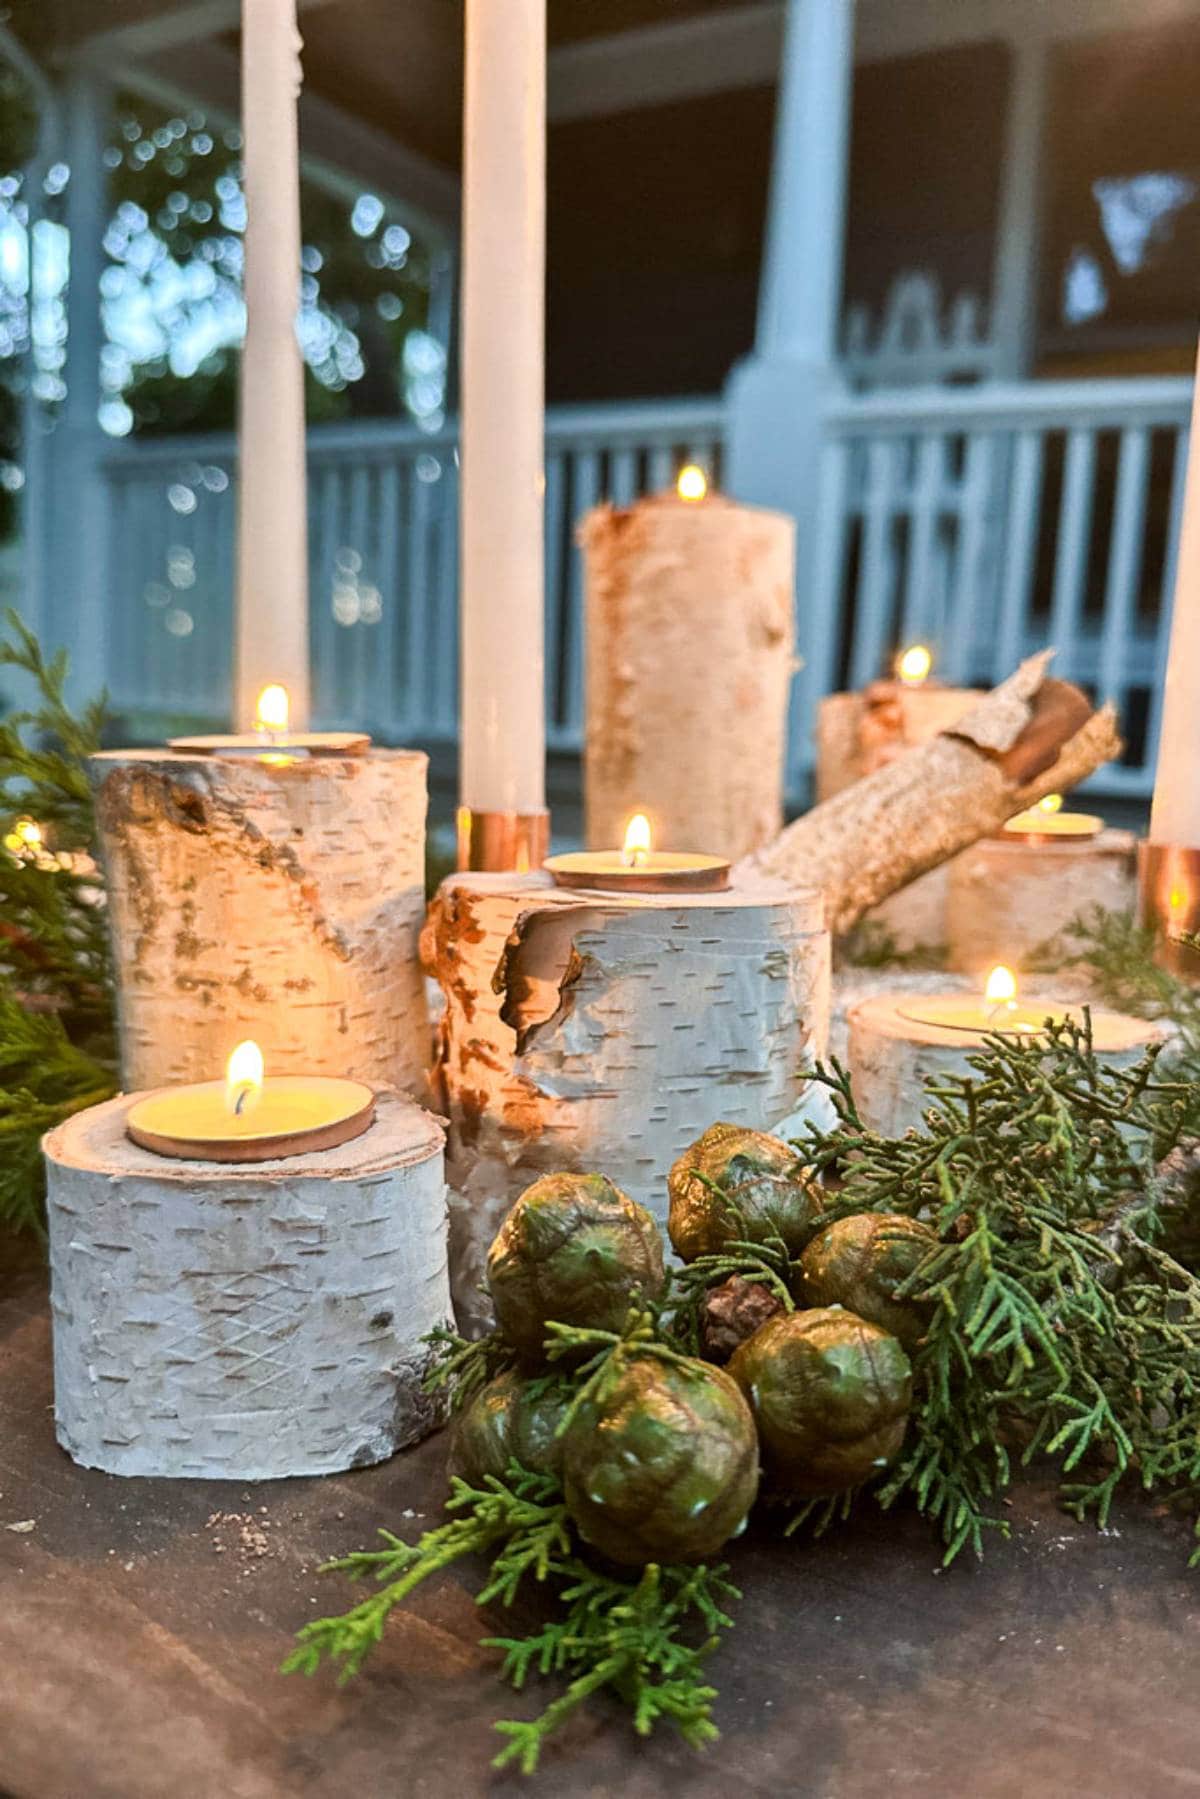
[637, 867]
[248, 1118]
[1048, 820]
[914, 665]
[271, 739]
[898, 1042]
[692, 483]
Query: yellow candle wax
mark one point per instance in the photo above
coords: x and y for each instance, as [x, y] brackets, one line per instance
[639, 868]
[1047, 819]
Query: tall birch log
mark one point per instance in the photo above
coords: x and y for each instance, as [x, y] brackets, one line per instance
[599, 1031]
[280, 900]
[1028, 737]
[244, 1323]
[689, 662]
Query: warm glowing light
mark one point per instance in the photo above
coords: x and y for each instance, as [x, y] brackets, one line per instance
[1177, 899]
[1001, 988]
[25, 839]
[914, 664]
[244, 1078]
[636, 850]
[692, 483]
[1051, 803]
[271, 711]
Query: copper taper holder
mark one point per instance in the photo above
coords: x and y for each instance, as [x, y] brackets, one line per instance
[1169, 904]
[502, 842]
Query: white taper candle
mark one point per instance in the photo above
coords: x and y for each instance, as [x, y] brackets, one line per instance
[272, 556]
[1175, 815]
[503, 735]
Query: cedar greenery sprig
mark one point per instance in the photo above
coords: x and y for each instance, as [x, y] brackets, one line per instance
[1054, 1331]
[643, 1637]
[57, 1036]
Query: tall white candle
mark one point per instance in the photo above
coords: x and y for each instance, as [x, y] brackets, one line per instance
[503, 735]
[272, 557]
[1175, 815]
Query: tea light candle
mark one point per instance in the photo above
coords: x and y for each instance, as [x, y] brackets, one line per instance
[899, 1040]
[271, 737]
[1047, 820]
[637, 867]
[246, 1118]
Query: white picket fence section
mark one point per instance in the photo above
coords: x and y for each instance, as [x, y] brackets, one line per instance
[988, 520]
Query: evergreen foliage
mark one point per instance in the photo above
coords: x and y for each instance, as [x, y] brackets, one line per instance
[57, 1048]
[1062, 1327]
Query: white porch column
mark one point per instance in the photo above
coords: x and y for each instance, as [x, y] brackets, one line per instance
[777, 396]
[272, 552]
[1014, 287]
[72, 507]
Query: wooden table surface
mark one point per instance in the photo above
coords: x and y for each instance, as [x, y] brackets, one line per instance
[142, 1623]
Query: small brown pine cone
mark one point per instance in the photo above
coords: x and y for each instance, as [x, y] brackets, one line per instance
[733, 1312]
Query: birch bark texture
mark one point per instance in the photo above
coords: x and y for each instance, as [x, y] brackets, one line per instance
[1008, 898]
[689, 610]
[892, 1055]
[279, 899]
[1026, 738]
[593, 1031]
[244, 1322]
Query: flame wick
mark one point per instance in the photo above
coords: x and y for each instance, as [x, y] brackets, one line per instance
[271, 709]
[692, 483]
[914, 665]
[636, 850]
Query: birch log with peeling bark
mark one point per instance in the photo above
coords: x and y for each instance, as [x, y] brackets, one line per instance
[689, 663]
[275, 900]
[1028, 737]
[244, 1322]
[599, 1031]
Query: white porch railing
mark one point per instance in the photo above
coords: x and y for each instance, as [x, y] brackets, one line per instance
[989, 521]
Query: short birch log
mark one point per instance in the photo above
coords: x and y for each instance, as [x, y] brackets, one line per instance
[689, 665]
[892, 1055]
[244, 1322]
[1007, 898]
[602, 1031]
[275, 900]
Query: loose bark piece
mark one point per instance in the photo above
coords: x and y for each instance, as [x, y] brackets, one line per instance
[1007, 898]
[689, 663]
[856, 733]
[275, 899]
[919, 810]
[606, 1032]
[244, 1323]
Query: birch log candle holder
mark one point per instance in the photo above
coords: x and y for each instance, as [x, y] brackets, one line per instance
[244, 1321]
[1009, 894]
[591, 1030]
[858, 733]
[900, 1040]
[272, 896]
[689, 663]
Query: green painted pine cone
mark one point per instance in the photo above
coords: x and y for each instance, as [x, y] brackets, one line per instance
[735, 1184]
[860, 1261]
[830, 1395]
[574, 1249]
[665, 1468]
[513, 1418]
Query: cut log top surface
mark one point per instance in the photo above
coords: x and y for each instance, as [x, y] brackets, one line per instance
[1109, 842]
[747, 890]
[884, 1015]
[271, 764]
[714, 507]
[402, 1135]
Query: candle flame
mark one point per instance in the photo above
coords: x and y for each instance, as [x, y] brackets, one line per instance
[636, 850]
[692, 483]
[25, 840]
[1051, 803]
[1001, 988]
[244, 1078]
[914, 665]
[271, 710]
